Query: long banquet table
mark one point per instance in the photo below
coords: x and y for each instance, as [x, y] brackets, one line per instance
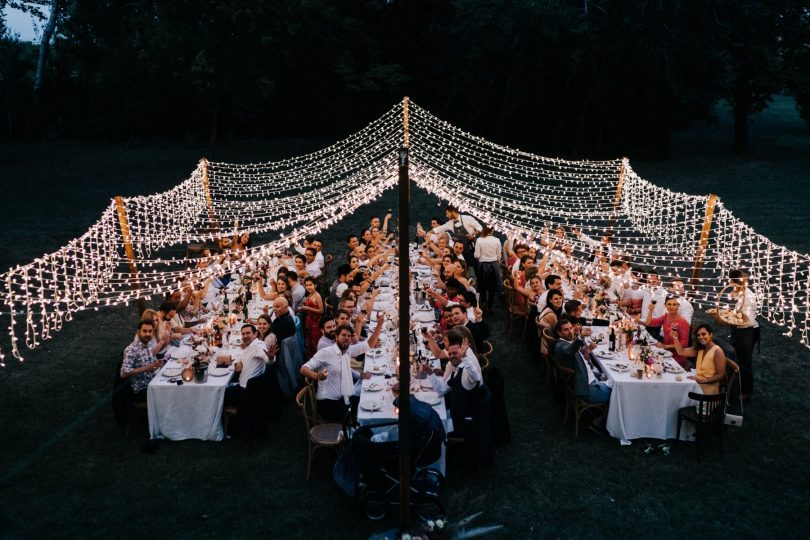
[647, 407]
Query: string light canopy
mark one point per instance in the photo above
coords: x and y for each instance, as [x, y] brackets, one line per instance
[137, 247]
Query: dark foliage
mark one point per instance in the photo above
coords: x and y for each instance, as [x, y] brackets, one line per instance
[575, 78]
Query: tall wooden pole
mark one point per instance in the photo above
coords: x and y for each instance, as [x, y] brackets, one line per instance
[404, 328]
[700, 252]
[123, 221]
[617, 199]
[208, 201]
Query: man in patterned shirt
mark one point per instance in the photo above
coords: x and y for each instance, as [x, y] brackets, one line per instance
[140, 365]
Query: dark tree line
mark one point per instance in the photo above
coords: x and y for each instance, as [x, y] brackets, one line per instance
[572, 77]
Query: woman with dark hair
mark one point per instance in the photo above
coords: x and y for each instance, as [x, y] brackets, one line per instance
[263, 325]
[672, 324]
[311, 309]
[552, 312]
[241, 242]
[710, 366]
[300, 266]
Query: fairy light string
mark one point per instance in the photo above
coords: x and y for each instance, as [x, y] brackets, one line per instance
[522, 195]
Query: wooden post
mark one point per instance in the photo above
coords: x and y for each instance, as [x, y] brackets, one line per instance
[207, 190]
[124, 223]
[617, 199]
[404, 328]
[700, 253]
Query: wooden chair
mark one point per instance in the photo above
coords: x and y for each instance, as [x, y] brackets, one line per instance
[487, 351]
[327, 263]
[514, 311]
[706, 416]
[575, 403]
[548, 364]
[319, 434]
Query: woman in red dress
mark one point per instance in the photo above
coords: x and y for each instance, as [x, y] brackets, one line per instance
[311, 310]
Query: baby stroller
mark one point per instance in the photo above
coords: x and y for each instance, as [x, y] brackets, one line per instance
[378, 464]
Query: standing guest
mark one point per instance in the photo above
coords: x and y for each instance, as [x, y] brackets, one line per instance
[312, 267]
[249, 363]
[488, 254]
[744, 336]
[283, 322]
[139, 365]
[241, 243]
[710, 366]
[297, 290]
[331, 368]
[671, 324]
[464, 227]
[311, 309]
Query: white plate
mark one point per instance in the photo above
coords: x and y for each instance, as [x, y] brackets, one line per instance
[172, 372]
[377, 370]
[373, 387]
[665, 353]
[370, 405]
[431, 398]
[607, 354]
[219, 371]
[621, 368]
[672, 368]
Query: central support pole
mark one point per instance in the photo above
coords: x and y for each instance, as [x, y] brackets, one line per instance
[617, 199]
[404, 329]
[123, 221]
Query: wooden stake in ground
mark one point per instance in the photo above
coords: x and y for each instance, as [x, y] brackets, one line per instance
[127, 238]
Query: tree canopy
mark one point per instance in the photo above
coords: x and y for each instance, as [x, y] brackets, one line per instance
[574, 78]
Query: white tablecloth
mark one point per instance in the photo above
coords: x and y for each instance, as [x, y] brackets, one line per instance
[189, 411]
[646, 408]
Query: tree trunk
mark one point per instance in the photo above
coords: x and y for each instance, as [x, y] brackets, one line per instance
[47, 33]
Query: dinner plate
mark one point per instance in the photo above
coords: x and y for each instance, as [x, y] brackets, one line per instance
[373, 387]
[665, 353]
[219, 371]
[619, 367]
[431, 398]
[671, 367]
[377, 370]
[172, 372]
[426, 385]
[370, 405]
[607, 354]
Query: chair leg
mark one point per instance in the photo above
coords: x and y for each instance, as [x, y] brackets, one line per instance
[309, 460]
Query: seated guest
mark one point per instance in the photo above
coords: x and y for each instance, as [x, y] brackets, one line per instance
[249, 363]
[139, 365]
[340, 284]
[283, 322]
[331, 368]
[263, 326]
[711, 360]
[159, 342]
[568, 343]
[671, 324]
[479, 330]
[461, 381]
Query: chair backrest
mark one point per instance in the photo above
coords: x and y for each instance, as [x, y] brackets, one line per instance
[549, 339]
[305, 399]
[731, 384]
[487, 349]
[710, 408]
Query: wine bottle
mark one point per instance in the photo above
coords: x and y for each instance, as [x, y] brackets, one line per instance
[612, 340]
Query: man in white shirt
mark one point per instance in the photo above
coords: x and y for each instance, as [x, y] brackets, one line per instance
[685, 309]
[461, 381]
[331, 368]
[312, 265]
[298, 290]
[466, 228]
[249, 363]
[488, 256]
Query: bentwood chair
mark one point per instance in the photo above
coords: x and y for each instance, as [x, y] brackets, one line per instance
[547, 363]
[486, 352]
[706, 416]
[574, 403]
[515, 311]
[326, 435]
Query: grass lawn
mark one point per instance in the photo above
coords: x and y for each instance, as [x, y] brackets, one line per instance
[67, 470]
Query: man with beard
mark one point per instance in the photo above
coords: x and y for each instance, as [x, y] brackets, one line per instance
[331, 368]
